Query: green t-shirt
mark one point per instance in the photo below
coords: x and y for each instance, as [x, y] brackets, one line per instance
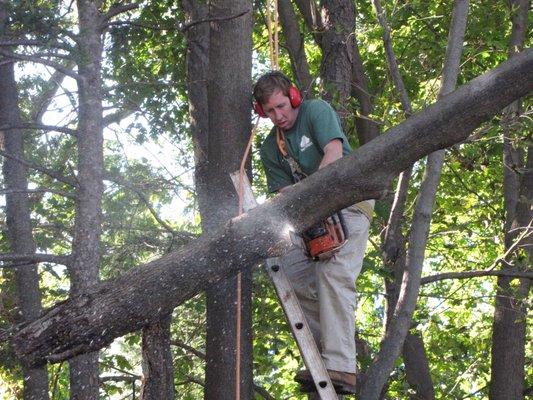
[316, 125]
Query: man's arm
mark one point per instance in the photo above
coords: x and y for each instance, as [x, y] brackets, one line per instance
[332, 152]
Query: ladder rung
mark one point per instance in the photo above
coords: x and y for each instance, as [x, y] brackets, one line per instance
[300, 329]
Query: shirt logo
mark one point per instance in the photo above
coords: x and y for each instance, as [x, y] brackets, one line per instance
[305, 143]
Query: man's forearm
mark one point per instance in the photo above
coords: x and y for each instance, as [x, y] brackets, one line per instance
[332, 152]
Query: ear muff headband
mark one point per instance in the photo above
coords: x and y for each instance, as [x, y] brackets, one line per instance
[295, 97]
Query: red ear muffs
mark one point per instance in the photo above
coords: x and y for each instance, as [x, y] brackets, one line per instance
[295, 97]
[259, 110]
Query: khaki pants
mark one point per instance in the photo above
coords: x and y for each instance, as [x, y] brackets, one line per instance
[326, 291]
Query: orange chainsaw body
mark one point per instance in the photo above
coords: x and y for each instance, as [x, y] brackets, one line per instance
[325, 238]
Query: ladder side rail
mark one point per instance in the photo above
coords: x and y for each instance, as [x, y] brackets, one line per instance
[291, 306]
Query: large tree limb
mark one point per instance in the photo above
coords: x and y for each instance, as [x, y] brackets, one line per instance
[91, 320]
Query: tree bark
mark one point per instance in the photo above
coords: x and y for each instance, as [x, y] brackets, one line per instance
[337, 45]
[294, 42]
[417, 367]
[110, 309]
[158, 373]
[19, 228]
[394, 242]
[509, 325]
[312, 18]
[391, 59]
[400, 322]
[228, 341]
[366, 128]
[197, 63]
[84, 270]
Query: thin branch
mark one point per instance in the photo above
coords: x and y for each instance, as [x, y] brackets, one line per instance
[144, 26]
[191, 379]
[185, 27]
[32, 258]
[46, 171]
[391, 58]
[146, 202]
[31, 42]
[473, 274]
[120, 378]
[262, 392]
[42, 101]
[39, 190]
[118, 116]
[56, 66]
[190, 349]
[475, 193]
[119, 9]
[62, 129]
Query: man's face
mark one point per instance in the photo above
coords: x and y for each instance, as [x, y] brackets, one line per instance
[278, 108]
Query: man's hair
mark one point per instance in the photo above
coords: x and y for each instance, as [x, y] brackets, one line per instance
[270, 82]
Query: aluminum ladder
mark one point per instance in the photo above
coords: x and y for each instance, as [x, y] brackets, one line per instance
[293, 311]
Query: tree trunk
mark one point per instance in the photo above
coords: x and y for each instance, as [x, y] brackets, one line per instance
[19, 229]
[158, 374]
[197, 63]
[394, 242]
[294, 41]
[417, 367]
[84, 270]
[400, 322]
[93, 319]
[366, 128]
[509, 325]
[337, 45]
[228, 345]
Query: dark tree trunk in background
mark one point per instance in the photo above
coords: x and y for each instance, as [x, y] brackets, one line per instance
[158, 374]
[417, 369]
[509, 325]
[365, 127]
[84, 271]
[228, 98]
[17, 209]
[294, 41]
[197, 63]
[342, 70]
[337, 44]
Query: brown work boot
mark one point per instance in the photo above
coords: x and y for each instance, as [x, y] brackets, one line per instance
[343, 382]
[303, 377]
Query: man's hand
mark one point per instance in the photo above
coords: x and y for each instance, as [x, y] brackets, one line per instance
[332, 152]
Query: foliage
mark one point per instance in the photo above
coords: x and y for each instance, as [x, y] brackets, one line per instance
[144, 73]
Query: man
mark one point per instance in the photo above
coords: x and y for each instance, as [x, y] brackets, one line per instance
[307, 136]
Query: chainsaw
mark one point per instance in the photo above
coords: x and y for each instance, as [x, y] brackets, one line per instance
[325, 238]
